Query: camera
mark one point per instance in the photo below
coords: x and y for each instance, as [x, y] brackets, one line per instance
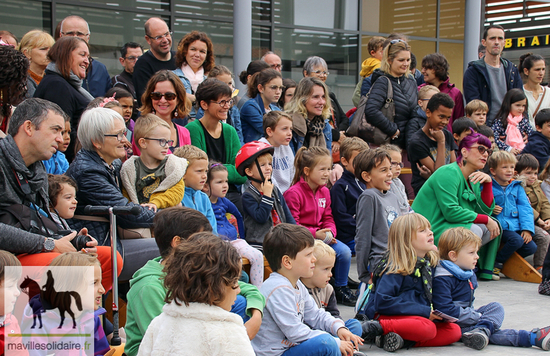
[79, 242]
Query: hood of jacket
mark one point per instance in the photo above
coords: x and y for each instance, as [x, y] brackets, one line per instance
[368, 66]
[201, 312]
[152, 269]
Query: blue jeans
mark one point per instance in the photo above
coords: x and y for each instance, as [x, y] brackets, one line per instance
[322, 345]
[351, 245]
[354, 326]
[342, 265]
[239, 307]
[513, 242]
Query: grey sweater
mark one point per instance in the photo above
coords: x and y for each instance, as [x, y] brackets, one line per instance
[13, 239]
[375, 213]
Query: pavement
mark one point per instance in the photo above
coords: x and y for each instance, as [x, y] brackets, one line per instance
[525, 309]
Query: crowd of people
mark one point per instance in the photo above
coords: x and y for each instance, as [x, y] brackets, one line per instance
[280, 174]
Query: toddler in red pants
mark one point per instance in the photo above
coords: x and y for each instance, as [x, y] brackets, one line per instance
[401, 299]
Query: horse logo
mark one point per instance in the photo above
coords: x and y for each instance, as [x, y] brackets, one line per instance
[32, 289]
[60, 300]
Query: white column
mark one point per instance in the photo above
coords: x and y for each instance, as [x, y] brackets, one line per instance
[472, 30]
[242, 38]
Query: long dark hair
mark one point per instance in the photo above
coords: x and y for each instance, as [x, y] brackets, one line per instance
[512, 96]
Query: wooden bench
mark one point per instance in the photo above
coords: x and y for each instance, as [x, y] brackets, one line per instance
[519, 269]
[267, 268]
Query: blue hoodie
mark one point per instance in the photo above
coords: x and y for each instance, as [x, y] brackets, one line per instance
[538, 146]
[198, 200]
[344, 194]
[517, 213]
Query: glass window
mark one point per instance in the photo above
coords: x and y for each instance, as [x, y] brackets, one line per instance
[204, 8]
[261, 41]
[261, 10]
[20, 16]
[454, 52]
[338, 14]
[451, 19]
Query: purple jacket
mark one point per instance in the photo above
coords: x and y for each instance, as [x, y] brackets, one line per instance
[456, 95]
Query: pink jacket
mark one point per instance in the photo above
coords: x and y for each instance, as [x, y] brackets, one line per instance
[309, 210]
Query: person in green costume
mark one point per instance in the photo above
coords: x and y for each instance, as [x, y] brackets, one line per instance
[459, 194]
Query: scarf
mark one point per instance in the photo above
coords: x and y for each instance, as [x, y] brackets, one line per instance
[456, 271]
[513, 135]
[315, 127]
[37, 78]
[194, 78]
[423, 270]
[73, 80]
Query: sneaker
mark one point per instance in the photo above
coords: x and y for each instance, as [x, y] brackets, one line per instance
[379, 341]
[345, 296]
[352, 284]
[544, 287]
[496, 274]
[476, 339]
[542, 338]
[392, 342]
[371, 329]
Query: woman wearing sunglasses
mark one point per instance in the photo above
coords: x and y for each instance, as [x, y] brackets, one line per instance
[264, 90]
[460, 194]
[211, 134]
[165, 97]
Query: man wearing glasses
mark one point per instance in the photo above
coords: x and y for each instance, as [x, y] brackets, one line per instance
[129, 54]
[97, 80]
[161, 56]
[273, 60]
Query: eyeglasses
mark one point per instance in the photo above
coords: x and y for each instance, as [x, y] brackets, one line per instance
[397, 164]
[275, 87]
[132, 58]
[483, 149]
[160, 37]
[75, 33]
[162, 141]
[168, 96]
[321, 72]
[277, 66]
[119, 136]
[224, 103]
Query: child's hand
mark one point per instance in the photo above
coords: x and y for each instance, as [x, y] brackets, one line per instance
[253, 324]
[321, 234]
[546, 225]
[150, 206]
[435, 317]
[527, 237]
[497, 210]
[267, 188]
[438, 135]
[346, 335]
[515, 151]
[424, 171]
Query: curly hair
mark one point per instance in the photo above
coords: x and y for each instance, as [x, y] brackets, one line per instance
[183, 47]
[13, 79]
[200, 268]
[438, 63]
[183, 106]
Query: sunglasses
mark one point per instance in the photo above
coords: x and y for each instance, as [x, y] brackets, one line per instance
[168, 96]
[483, 149]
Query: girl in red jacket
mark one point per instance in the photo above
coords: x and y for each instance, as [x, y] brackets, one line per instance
[309, 202]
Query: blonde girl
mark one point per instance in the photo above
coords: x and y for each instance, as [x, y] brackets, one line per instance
[401, 303]
[308, 200]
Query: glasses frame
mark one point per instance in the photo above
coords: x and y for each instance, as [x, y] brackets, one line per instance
[132, 58]
[397, 164]
[161, 95]
[75, 34]
[159, 37]
[276, 87]
[119, 136]
[321, 72]
[161, 141]
[223, 103]
[482, 150]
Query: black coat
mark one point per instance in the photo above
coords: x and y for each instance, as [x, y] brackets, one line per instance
[405, 97]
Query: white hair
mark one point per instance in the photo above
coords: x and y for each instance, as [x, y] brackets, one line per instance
[94, 124]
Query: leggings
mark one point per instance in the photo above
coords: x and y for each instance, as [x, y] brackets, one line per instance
[421, 330]
[256, 259]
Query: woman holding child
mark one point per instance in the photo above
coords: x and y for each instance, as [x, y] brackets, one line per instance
[463, 197]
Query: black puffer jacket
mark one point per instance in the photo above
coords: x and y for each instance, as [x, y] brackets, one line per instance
[405, 97]
[98, 187]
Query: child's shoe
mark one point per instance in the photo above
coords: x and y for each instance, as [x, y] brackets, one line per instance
[544, 287]
[542, 338]
[476, 339]
[345, 296]
[391, 342]
[371, 329]
[496, 271]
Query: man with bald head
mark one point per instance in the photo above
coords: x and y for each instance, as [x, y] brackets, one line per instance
[160, 56]
[97, 80]
[273, 60]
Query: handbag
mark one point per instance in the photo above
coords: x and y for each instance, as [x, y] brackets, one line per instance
[360, 127]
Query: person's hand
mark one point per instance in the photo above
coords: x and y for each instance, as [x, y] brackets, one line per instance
[424, 171]
[526, 236]
[438, 135]
[336, 173]
[396, 135]
[525, 137]
[90, 245]
[150, 206]
[346, 335]
[346, 348]
[335, 146]
[515, 151]
[64, 244]
[434, 317]
[546, 225]
[497, 210]
[479, 177]
[321, 234]
[493, 228]
[267, 187]
[253, 324]
[342, 136]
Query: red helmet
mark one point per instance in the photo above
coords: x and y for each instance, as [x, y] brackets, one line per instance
[249, 152]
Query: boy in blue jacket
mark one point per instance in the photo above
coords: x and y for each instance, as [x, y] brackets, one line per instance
[454, 285]
[539, 141]
[346, 190]
[512, 210]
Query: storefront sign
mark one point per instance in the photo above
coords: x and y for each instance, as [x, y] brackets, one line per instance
[527, 42]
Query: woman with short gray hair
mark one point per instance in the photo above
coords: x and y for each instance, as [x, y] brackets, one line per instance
[96, 169]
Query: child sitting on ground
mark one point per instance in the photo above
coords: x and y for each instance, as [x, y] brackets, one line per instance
[147, 292]
[377, 208]
[453, 294]
[419, 120]
[477, 111]
[197, 319]
[278, 133]
[154, 178]
[346, 190]
[526, 170]
[539, 140]
[58, 164]
[292, 320]
[462, 127]
[263, 203]
[310, 204]
[512, 210]
[397, 187]
[194, 179]
[216, 188]
[9, 278]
